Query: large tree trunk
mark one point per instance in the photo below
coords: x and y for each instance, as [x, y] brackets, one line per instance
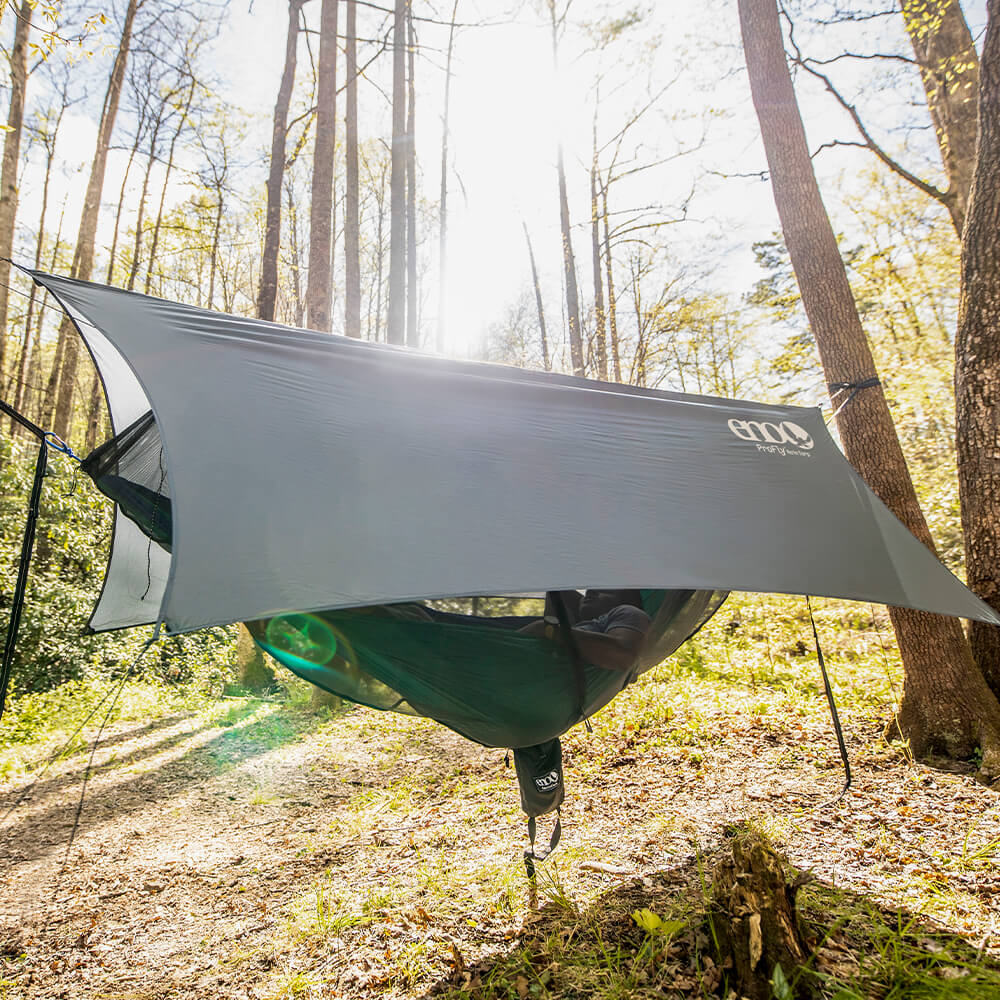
[538, 302]
[83, 257]
[946, 705]
[569, 262]
[395, 322]
[949, 69]
[319, 290]
[352, 226]
[443, 247]
[977, 362]
[11, 155]
[267, 294]
[411, 185]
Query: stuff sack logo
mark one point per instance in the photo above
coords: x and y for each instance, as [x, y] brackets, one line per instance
[786, 438]
[547, 781]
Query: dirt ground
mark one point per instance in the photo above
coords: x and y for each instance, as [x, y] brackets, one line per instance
[283, 854]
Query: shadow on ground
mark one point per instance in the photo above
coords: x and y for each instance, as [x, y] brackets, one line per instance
[858, 949]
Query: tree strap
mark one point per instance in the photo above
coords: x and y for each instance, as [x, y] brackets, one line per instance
[27, 546]
[855, 387]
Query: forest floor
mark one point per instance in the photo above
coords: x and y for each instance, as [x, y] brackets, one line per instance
[259, 849]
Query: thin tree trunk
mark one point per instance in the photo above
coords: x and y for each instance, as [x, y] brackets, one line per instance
[443, 248]
[141, 215]
[213, 264]
[977, 362]
[319, 289]
[569, 262]
[396, 320]
[411, 185]
[121, 204]
[154, 244]
[47, 401]
[616, 360]
[352, 228]
[296, 263]
[83, 257]
[29, 361]
[946, 706]
[949, 70]
[538, 301]
[267, 295]
[595, 243]
[11, 157]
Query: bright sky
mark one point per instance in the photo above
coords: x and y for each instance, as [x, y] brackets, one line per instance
[506, 116]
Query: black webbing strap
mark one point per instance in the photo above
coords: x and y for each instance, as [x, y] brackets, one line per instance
[27, 545]
[566, 631]
[530, 856]
[833, 709]
[854, 387]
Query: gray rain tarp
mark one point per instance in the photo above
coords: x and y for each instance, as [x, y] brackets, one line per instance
[308, 471]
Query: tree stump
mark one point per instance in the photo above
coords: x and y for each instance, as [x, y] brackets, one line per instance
[754, 920]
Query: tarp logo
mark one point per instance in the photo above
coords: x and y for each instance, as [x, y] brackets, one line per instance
[786, 438]
[547, 782]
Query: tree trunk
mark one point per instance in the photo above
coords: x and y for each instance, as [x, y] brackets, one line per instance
[29, 366]
[977, 363]
[155, 242]
[11, 156]
[267, 294]
[946, 705]
[319, 289]
[949, 69]
[595, 243]
[411, 185]
[352, 226]
[298, 301]
[140, 219]
[443, 248]
[83, 257]
[538, 302]
[569, 262]
[213, 264]
[616, 359]
[396, 319]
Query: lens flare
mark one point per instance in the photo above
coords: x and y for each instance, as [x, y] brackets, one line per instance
[305, 636]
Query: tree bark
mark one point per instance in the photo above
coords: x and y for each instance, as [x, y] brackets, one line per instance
[616, 359]
[600, 334]
[443, 242]
[83, 257]
[977, 362]
[754, 920]
[538, 302]
[949, 70]
[569, 262]
[319, 289]
[155, 242]
[267, 294]
[352, 226]
[412, 336]
[11, 156]
[946, 705]
[396, 319]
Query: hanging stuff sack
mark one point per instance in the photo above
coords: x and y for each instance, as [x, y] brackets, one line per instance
[540, 778]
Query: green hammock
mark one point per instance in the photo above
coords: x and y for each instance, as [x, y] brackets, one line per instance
[475, 673]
